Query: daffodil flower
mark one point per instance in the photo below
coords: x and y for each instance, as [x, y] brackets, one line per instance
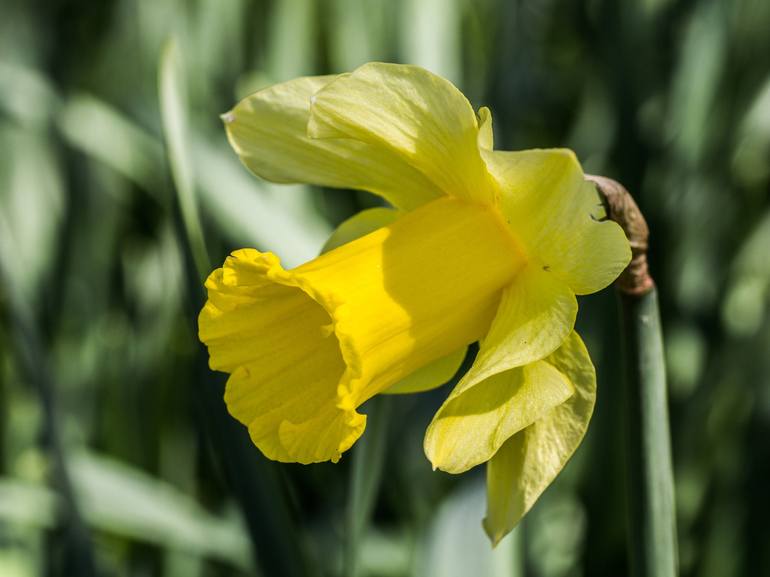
[480, 245]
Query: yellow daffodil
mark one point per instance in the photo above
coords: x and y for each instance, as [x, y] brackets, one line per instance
[481, 245]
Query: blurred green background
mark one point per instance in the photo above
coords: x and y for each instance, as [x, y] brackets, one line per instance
[115, 452]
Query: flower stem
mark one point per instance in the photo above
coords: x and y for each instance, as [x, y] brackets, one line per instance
[652, 519]
[650, 486]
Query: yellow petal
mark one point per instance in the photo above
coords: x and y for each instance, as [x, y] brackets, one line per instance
[307, 346]
[486, 137]
[268, 130]
[536, 313]
[359, 225]
[559, 217]
[416, 115]
[430, 376]
[471, 427]
[529, 461]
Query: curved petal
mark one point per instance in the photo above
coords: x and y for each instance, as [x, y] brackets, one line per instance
[360, 224]
[486, 137]
[470, 428]
[430, 376]
[529, 461]
[268, 130]
[536, 313]
[559, 216]
[413, 113]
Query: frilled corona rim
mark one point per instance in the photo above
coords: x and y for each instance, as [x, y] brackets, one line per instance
[339, 314]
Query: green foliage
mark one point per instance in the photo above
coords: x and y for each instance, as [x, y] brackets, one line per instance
[115, 182]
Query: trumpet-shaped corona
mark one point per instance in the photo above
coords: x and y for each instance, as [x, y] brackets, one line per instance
[480, 245]
[307, 346]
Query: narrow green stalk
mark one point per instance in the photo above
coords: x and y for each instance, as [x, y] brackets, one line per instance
[365, 477]
[650, 479]
[173, 105]
[652, 527]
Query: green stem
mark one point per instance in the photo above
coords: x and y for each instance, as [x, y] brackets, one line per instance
[650, 479]
[365, 476]
[652, 529]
